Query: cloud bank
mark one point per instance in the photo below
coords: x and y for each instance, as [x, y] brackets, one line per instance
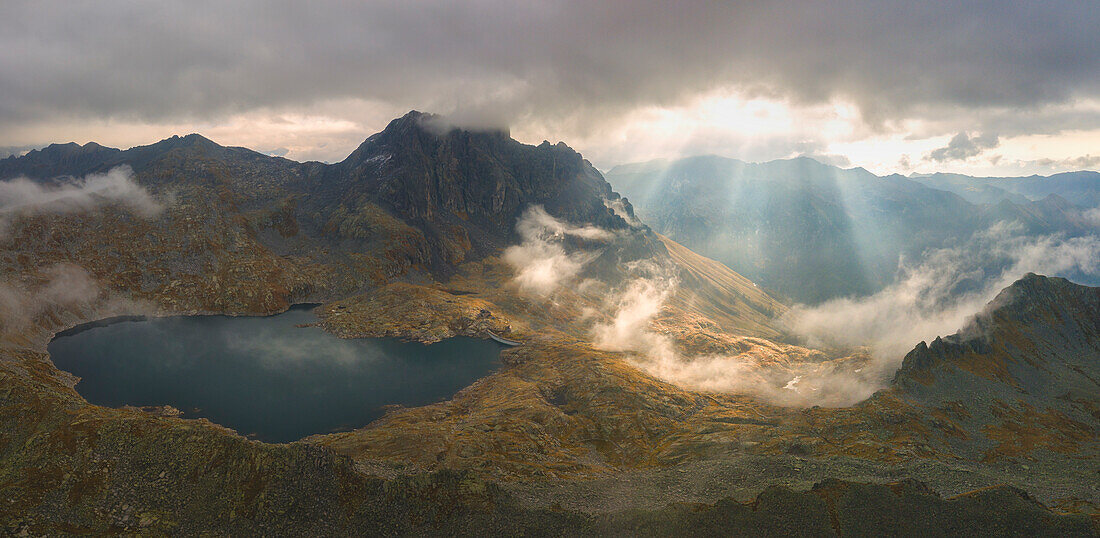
[934, 297]
[937, 296]
[23, 197]
[571, 66]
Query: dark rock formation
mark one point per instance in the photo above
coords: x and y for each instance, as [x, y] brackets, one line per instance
[1024, 375]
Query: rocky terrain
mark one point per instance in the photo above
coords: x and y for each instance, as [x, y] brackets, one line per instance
[427, 232]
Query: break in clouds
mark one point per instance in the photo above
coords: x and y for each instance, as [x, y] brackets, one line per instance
[572, 66]
[936, 297]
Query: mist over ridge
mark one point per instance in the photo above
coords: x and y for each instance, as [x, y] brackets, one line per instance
[941, 276]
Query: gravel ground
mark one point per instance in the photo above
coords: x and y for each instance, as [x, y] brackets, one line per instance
[743, 477]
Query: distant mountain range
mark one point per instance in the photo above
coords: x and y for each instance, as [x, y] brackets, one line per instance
[1080, 188]
[813, 232]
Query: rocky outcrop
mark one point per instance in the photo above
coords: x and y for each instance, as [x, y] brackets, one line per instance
[1039, 334]
[1020, 382]
[425, 170]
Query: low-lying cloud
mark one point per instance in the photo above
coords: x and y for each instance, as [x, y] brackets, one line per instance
[937, 296]
[618, 207]
[540, 261]
[279, 348]
[23, 197]
[768, 371]
[58, 287]
[116, 186]
[771, 372]
[635, 307]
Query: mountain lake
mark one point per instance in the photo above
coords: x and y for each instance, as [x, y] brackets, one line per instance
[268, 377]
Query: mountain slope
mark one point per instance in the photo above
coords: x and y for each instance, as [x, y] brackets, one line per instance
[412, 199]
[1025, 372]
[465, 190]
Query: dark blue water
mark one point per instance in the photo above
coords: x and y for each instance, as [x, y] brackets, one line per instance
[263, 376]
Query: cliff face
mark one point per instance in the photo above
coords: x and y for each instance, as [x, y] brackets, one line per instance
[427, 171]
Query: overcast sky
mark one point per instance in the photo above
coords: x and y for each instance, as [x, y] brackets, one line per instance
[981, 87]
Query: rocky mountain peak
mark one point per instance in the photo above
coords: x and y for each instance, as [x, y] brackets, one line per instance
[418, 132]
[191, 141]
[424, 168]
[466, 189]
[1033, 293]
[71, 150]
[1050, 323]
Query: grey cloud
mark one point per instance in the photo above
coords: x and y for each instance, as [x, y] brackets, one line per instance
[963, 146]
[566, 64]
[1084, 162]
